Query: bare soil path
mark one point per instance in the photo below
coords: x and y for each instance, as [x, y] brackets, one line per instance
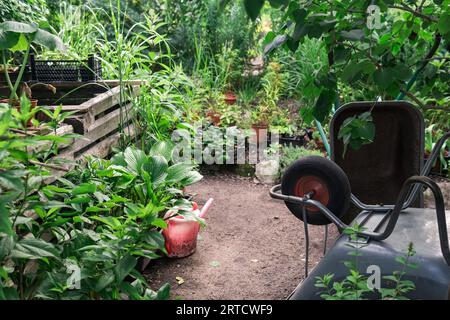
[252, 247]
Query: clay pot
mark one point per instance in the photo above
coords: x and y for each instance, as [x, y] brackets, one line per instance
[259, 131]
[215, 117]
[230, 98]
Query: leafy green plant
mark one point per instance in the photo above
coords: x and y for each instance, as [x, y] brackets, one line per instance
[202, 29]
[23, 10]
[167, 101]
[378, 59]
[19, 36]
[357, 131]
[81, 237]
[432, 136]
[136, 49]
[290, 153]
[402, 286]
[355, 285]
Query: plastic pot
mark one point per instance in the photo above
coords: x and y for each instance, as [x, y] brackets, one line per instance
[295, 141]
[181, 234]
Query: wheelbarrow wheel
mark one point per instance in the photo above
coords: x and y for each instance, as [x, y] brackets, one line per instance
[327, 181]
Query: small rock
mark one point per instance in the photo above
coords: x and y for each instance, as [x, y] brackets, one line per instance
[267, 171]
[180, 280]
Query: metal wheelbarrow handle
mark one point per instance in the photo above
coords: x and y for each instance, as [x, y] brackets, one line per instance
[393, 215]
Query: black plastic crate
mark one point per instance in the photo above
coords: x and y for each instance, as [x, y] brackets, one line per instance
[65, 70]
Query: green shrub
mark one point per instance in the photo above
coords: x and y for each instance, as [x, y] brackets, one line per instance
[290, 154]
[89, 228]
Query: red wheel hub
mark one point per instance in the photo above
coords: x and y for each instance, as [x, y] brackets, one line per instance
[313, 184]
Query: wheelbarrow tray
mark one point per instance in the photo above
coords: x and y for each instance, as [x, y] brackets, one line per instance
[416, 225]
[395, 154]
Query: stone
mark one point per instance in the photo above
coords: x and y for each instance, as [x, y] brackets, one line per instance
[267, 171]
[445, 188]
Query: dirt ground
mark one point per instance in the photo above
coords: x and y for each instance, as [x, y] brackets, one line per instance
[252, 247]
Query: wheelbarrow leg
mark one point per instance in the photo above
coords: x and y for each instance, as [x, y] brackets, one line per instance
[325, 240]
[305, 223]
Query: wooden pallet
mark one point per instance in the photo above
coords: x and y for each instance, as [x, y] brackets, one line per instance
[99, 109]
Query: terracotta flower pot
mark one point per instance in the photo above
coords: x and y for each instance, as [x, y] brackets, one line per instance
[259, 128]
[230, 98]
[215, 117]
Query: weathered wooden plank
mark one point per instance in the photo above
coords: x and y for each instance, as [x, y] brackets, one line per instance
[113, 83]
[101, 128]
[80, 123]
[101, 102]
[106, 100]
[104, 148]
[42, 145]
[101, 150]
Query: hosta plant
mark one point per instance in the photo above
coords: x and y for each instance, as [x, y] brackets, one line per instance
[81, 237]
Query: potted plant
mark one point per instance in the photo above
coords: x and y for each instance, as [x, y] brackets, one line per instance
[18, 36]
[215, 116]
[260, 121]
[230, 98]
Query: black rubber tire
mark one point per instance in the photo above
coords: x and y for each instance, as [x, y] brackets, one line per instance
[331, 174]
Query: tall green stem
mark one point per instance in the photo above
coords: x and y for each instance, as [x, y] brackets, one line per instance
[5, 69]
[21, 71]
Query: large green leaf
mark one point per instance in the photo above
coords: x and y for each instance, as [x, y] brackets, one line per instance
[154, 239]
[6, 245]
[33, 248]
[191, 178]
[104, 281]
[253, 8]
[124, 267]
[383, 77]
[48, 40]
[324, 104]
[84, 188]
[11, 180]
[275, 43]
[444, 23]
[119, 159]
[5, 221]
[357, 131]
[163, 293]
[112, 222]
[17, 27]
[164, 149]
[156, 167]
[178, 172]
[21, 44]
[8, 39]
[135, 159]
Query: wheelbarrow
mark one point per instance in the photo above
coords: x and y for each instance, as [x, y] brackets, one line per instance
[391, 175]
